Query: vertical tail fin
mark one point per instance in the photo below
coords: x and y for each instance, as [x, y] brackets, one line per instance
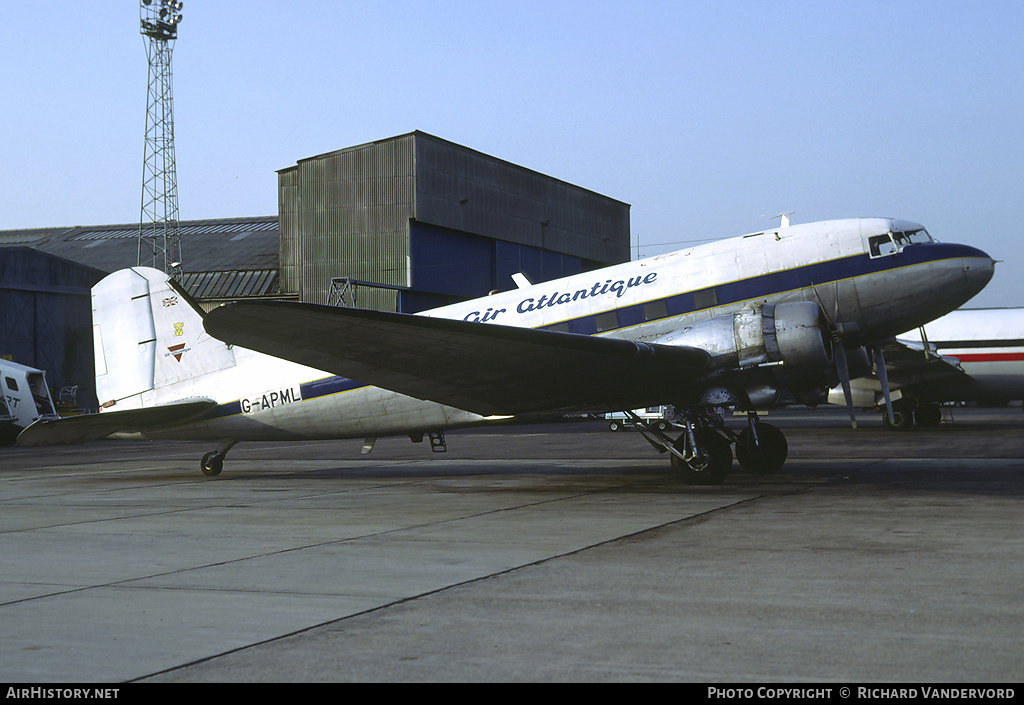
[148, 335]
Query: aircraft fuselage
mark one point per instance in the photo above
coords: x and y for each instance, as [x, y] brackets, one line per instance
[868, 281]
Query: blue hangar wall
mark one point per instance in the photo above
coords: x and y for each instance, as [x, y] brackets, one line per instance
[450, 265]
[46, 318]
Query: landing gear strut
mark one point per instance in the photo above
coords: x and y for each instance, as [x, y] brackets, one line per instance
[701, 454]
[907, 412]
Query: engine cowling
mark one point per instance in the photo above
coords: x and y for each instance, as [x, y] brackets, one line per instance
[797, 335]
[794, 334]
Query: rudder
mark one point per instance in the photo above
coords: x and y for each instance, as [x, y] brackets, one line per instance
[148, 335]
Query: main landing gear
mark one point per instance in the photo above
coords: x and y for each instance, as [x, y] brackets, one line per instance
[701, 455]
[213, 462]
[906, 412]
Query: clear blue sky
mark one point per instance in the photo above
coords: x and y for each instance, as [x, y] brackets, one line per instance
[703, 115]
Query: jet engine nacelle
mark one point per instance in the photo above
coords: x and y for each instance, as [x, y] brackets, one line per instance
[794, 334]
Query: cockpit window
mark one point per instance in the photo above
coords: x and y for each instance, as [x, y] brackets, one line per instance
[891, 243]
[911, 237]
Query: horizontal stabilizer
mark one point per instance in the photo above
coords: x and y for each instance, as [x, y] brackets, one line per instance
[91, 427]
[479, 367]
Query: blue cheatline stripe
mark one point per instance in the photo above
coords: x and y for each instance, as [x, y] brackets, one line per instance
[759, 286]
[762, 286]
[323, 387]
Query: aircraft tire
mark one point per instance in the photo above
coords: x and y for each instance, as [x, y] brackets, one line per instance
[928, 415]
[902, 417]
[768, 455]
[713, 461]
[212, 464]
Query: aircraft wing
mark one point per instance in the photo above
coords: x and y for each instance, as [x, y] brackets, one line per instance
[909, 362]
[92, 427]
[479, 367]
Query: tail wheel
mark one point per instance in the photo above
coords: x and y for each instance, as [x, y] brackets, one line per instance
[710, 462]
[212, 463]
[764, 455]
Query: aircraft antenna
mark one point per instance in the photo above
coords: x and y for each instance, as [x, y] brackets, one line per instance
[159, 236]
[784, 223]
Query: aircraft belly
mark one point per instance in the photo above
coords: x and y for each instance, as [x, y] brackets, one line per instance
[372, 411]
[358, 413]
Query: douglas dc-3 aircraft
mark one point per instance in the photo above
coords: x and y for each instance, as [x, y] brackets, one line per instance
[740, 323]
[967, 355]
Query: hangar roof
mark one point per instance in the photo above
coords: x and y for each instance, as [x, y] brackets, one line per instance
[222, 258]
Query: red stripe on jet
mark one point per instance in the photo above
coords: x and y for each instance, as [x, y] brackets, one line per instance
[990, 357]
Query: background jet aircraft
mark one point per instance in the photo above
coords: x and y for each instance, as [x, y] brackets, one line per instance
[736, 323]
[968, 355]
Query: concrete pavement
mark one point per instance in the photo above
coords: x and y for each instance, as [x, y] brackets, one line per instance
[547, 553]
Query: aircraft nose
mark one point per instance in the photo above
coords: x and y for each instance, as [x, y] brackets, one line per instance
[978, 268]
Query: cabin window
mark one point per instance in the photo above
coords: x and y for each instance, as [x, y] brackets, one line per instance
[607, 321]
[12, 383]
[705, 298]
[655, 310]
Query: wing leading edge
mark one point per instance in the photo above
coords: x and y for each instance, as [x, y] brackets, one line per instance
[479, 367]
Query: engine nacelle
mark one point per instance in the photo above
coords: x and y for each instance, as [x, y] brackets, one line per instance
[794, 334]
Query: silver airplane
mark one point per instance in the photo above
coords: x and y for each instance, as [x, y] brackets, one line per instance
[740, 323]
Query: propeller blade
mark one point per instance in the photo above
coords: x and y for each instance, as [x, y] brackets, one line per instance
[883, 378]
[844, 377]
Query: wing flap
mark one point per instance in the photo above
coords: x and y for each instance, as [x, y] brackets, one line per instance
[480, 367]
[92, 427]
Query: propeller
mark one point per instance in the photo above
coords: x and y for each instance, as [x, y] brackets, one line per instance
[883, 379]
[842, 368]
[843, 371]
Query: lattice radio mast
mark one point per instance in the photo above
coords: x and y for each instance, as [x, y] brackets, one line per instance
[159, 240]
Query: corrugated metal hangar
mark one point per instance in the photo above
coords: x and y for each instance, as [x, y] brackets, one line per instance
[401, 224]
[434, 223]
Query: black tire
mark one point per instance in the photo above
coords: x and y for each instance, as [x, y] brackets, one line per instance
[212, 464]
[928, 415]
[902, 419]
[767, 455]
[713, 462]
[614, 426]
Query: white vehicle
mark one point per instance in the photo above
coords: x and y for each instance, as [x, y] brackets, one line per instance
[739, 322]
[660, 417]
[25, 399]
